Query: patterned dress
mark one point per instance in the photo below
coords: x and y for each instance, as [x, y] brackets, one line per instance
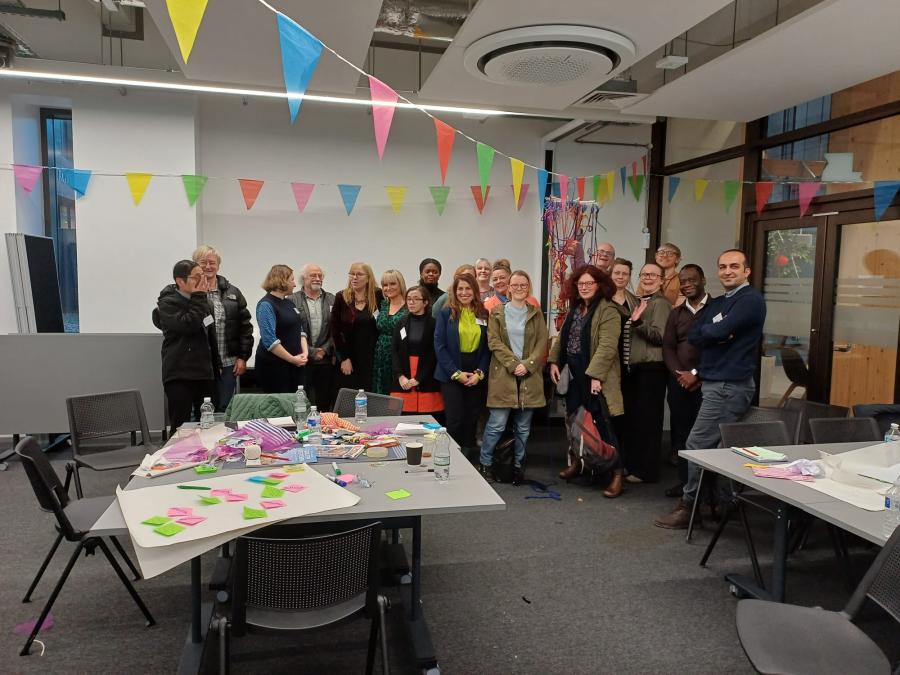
[383, 378]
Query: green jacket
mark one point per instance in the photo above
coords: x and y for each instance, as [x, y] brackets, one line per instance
[647, 332]
[604, 361]
[502, 390]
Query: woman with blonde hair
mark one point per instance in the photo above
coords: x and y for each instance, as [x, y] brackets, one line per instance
[353, 327]
[392, 309]
[282, 351]
[483, 277]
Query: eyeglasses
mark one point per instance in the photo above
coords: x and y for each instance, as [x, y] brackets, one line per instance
[605, 254]
[519, 287]
[649, 275]
[586, 284]
[666, 253]
[357, 274]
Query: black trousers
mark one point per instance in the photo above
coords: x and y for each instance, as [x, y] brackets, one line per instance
[462, 406]
[319, 384]
[184, 398]
[683, 408]
[644, 394]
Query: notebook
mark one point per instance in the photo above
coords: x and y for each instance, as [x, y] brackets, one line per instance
[760, 455]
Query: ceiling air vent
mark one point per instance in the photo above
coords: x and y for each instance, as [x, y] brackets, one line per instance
[611, 95]
[549, 55]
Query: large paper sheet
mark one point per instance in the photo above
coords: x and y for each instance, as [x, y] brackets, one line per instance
[869, 497]
[880, 461]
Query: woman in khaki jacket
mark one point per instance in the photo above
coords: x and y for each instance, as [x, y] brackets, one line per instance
[588, 345]
[517, 338]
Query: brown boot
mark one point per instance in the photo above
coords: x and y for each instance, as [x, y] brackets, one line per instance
[614, 489]
[678, 519]
[574, 469]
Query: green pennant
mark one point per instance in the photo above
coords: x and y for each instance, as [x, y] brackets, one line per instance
[485, 161]
[597, 188]
[637, 185]
[439, 194]
[731, 190]
[193, 186]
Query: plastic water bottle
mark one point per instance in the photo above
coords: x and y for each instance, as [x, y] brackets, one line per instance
[362, 407]
[893, 434]
[313, 423]
[301, 409]
[206, 413]
[891, 509]
[442, 456]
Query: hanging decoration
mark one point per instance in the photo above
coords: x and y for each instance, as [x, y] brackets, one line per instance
[610, 184]
[439, 194]
[522, 192]
[517, 167]
[885, 191]
[26, 175]
[349, 195]
[674, 182]
[300, 53]
[477, 195]
[77, 179]
[700, 185]
[563, 187]
[763, 192]
[623, 175]
[250, 190]
[302, 193]
[396, 195]
[542, 176]
[137, 184]
[730, 191]
[186, 16]
[806, 193]
[637, 185]
[193, 186]
[485, 156]
[384, 100]
[579, 186]
[445, 137]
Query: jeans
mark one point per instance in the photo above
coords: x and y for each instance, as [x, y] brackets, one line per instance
[723, 402]
[683, 406]
[225, 386]
[495, 427]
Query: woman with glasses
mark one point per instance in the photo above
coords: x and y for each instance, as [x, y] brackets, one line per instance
[414, 359]
[392, 309]
[353, 327]
[282, 352]
[460, 342]
[588, 346]
[517, 337]
[668, 256]
[644, 375]
[500, 274]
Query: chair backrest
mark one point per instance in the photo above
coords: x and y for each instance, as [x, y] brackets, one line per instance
[810, 410]
[259, 406]
[747, 434]
[113, 413]
[791, 418]
[379, 405]
[794, 367]
[881, 583]
[306, 576]
[883, 413]
[48, 489]
[844, 430]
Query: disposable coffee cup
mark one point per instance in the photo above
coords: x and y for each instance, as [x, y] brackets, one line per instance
[414, 453]
[252, 451]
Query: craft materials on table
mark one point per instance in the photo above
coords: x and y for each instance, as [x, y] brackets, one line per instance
[760, 455]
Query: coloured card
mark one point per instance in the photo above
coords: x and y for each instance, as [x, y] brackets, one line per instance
[177, 511]
[210, 500]
[168, 529]
[206, 468]
[293, 487]
[156, 520]
[220, 492]
[269, 491]
[278, 474]
[271, 503]
[250, 514]
[235, 497]
[190, 520]
[399, 494]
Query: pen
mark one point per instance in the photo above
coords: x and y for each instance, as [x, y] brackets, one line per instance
[335, 480]
[418, 471]
[755, 454]
[337, 471]
[193, 487]
[262, 454]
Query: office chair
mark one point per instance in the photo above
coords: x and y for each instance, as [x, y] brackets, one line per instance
[811, 410]
[379, 405]
[796, 370]
[883, 413]
[845, 430]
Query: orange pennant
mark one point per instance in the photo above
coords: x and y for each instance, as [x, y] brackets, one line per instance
[580, 183]
[250, 189]
[476, 193]
[445, 137]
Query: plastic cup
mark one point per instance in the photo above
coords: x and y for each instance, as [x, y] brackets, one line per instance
[414, 453]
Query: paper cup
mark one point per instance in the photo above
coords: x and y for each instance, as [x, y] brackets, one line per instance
[414, 453]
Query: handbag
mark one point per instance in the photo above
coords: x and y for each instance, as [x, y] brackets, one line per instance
[565, 379]
[593, 438]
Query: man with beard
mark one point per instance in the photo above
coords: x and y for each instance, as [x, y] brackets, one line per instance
[314, 305]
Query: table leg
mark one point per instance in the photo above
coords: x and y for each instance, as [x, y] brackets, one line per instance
[416, 568]
[196, 631]
[748, 588]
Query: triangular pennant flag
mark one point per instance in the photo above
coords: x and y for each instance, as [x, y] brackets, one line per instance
[885, 190]
[700, 185]
[302, 192]
[554, 189]
[137, 183]
[26, 175]
[439, 194]
[186, 16]
[382, 114]
[542, 175]
[522, 193]
[445, 137]
[610, 184]
[731, 190]
[806, 192]
[349, 194]
[623, 173]
[517, 167]
[637, 185]
[564, 188]
[595, 180]
[763, 192]
[479, 201]
[634, 168]
[193, 186]
[300, 53]
[250, 189]
[674, 182]
[77, 179]
[397, 195]
[485, 154]
[579, 184]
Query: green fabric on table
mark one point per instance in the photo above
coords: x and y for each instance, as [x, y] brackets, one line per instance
[259, 406]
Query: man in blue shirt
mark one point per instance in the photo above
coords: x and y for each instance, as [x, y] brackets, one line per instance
[728, 333]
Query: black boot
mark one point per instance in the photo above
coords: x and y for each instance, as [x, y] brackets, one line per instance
[518, 476]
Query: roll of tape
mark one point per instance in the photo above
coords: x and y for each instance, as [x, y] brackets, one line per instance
[252, 451]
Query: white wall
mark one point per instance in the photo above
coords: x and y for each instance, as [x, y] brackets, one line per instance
[7, 214]
[26, 128]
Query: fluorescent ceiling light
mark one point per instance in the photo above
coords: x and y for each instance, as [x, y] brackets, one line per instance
[233, 91]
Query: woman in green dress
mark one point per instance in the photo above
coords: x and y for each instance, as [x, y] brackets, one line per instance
[392, 308]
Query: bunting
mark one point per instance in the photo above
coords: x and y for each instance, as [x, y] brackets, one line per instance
[637, 185]
[674, 182]
[579, 185]
[186, 16]
[763, 192]
[595, 180]
[26, 175]
[731, 190]
[485, 155]
[250, 190]
[349, 195]
[396, 195]
[885, 191]
[542, 175]
[564, 188]
[384, 100]
[610, 184]
[806, 193]
[137, 184]
[445, 137]
[477, 195]
[77, 179]
[193, 186]
[300, 54]
[521, 200]
[302, 193]
[517, 167]
[439, 194]
[623, 174]
[700, 186]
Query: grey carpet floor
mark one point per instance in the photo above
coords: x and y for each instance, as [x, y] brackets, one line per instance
[580, 585]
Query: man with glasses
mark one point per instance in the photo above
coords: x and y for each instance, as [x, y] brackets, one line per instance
[314, 305]
[728, 332]
[603, 256]
[190, 358]
[668, 256]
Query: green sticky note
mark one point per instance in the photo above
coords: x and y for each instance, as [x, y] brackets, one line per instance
[157, 520]
[205, 468]
[250, 514]
[270, 492]
[271, 481]
[210, 500]
[399, 494]
[168, 529]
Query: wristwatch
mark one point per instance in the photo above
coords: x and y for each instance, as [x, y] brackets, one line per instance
[694, 372]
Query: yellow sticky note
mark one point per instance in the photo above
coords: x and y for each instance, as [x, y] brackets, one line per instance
[399, 494]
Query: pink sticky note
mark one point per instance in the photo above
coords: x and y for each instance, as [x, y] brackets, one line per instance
[220, 492]
[293, 487]
[347, 477]
[271, 503]
[278, 474]
[235, 497]
[190, 520]
[177, 511]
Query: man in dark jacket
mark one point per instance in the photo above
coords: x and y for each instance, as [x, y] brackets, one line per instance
[314, 305]
[190, 360]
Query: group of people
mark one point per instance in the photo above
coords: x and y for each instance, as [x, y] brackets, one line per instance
[623, 350]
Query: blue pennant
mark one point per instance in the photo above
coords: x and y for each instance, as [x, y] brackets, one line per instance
[885, 190]
[77, 179]
[542, 186]
[674, 182]
[349, 193]
[300, 54]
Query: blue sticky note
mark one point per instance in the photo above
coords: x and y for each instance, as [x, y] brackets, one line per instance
[257, 479]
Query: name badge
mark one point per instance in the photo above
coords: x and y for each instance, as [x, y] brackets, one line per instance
[403, 333]
[208, 321]
[231, 296]
[481, 322]
[375, 314]
[296, 310]
[718, 317]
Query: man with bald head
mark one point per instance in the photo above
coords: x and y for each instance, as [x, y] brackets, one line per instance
[603, 256]
[314, 305]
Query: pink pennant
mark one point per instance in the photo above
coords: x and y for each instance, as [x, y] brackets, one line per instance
[302, 192]
[27, 175]
[523, 190]
[382, 115]
[563, 187]
[807, 192]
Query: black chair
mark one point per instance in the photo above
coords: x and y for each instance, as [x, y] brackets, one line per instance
[810, 410]
[379, 405]
[289, 585]
[796, 370]
[781, 638]
[883, 413]
[74, 519]
[844, 430]
[105, 416]
[791, 419]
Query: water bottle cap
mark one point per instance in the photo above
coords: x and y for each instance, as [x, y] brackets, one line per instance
[207, 399]
[361, 391]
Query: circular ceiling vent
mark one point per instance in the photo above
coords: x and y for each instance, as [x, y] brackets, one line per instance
[548, 55]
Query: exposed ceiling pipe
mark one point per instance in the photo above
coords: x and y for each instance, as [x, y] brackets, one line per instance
[438, 20]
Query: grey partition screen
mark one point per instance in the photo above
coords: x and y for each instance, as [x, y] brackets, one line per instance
[32, 264]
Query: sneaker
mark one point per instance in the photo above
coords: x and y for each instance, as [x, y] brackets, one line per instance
[485, 472]
[678, 519]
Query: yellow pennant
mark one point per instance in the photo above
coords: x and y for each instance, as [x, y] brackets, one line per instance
[699, 188]
[610, 184]
[137, 183]
[186, 16]
[397, 195]
[518, 170]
